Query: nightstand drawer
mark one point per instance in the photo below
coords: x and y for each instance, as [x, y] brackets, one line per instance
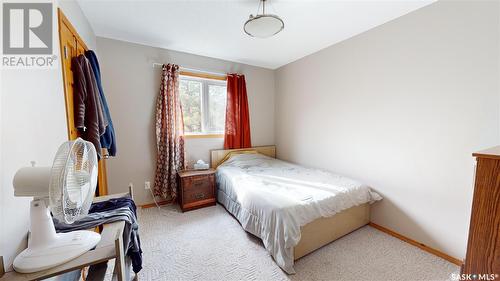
[196, 189]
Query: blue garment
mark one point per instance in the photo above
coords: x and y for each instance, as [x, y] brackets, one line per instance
[108, 139]
[117, 209]
[133, 250]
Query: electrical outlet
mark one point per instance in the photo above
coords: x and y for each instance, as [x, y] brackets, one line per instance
[147, 185]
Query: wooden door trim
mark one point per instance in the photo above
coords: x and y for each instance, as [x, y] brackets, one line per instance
[64, 20]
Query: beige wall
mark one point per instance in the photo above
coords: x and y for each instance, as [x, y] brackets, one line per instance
[32, 125]
[132, 84]
[401, 107]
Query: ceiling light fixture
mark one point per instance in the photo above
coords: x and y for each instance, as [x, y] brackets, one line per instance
[263, 25]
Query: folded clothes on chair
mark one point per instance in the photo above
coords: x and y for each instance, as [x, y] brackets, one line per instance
[117, 209]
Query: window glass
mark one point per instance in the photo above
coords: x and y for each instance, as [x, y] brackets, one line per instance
[203, 105]
[217, 107]
[190, 95]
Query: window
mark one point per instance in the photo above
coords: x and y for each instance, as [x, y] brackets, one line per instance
[203, 105]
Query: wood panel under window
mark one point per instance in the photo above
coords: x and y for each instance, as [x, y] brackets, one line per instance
[203, 136]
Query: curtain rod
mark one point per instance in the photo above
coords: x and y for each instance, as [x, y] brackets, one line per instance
[155, 64]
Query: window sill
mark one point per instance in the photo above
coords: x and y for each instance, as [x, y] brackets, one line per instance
[204, 136]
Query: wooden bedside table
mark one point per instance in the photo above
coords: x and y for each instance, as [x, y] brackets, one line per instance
[196, 189]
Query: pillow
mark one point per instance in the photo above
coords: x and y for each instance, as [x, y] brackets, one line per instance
[232, 153]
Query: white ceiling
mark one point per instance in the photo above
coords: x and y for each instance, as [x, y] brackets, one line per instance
[215, 28]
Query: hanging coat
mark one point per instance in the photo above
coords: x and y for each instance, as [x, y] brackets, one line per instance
[108, 139]
[89, 117]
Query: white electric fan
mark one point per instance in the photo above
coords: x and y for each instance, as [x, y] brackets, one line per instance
[68, 189]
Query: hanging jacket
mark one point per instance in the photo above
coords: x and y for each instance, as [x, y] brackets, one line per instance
[108, 139]
[89, 117]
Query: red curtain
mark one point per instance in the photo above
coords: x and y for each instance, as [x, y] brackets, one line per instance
[237, 129]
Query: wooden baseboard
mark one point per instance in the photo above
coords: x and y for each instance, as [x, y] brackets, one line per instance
[418, 244]
[149, 205]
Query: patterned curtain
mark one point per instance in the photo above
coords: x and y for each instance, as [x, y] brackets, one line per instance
[169, 134]
[237, 129]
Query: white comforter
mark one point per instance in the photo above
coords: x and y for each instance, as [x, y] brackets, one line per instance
[272, 199]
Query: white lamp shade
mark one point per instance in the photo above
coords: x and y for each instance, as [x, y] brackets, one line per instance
[263, 26]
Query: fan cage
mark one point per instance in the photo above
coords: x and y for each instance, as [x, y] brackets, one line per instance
[73, 180]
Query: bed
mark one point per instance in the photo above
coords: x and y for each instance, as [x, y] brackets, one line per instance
[294, 210]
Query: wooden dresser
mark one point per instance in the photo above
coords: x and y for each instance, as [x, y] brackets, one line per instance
[483, 248]
[196, 189]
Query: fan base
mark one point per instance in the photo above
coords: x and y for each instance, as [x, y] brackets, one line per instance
[64, 248]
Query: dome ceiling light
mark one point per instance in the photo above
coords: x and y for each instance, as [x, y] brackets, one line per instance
[263, 25]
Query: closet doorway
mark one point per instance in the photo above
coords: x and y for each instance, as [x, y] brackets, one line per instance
[72, 45]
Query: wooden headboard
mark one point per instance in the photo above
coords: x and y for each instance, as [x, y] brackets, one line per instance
[217, 155]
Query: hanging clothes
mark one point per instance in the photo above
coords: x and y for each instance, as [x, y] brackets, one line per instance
[108, 139]
[89, 116]
[116, 209]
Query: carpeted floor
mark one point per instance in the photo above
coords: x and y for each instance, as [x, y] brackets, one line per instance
[209, 244]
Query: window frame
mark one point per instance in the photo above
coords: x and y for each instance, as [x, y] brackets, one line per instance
[205, 80]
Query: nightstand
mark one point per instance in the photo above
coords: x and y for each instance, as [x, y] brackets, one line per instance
[196, 189]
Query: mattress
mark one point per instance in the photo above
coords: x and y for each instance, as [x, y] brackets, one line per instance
[272, 199]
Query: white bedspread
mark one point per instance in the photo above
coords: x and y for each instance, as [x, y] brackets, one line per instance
[272, 199]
